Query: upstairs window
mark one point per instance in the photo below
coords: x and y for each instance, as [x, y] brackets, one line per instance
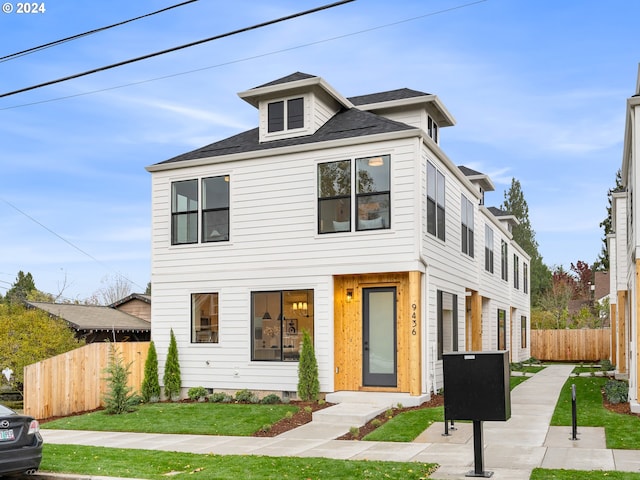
[488, 249]
[373, 196]
[435, 202]
[516, 272]
[525, 277]
[291, 110]
[466, 214]
[432, 129]
[215, 209]
[186, 209]
[184, 212]
[504, 261]
[372, 200]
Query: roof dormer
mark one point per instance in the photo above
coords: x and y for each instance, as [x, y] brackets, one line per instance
[294, 106]
[480, 180]
[507, 219]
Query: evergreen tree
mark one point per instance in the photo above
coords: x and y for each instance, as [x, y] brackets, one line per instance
[119, 397]
[308, 382]
[524, 235]
[21, 288]
[172, 381]
[602, 262]
[150, 384]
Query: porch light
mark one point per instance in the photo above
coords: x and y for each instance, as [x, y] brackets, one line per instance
[349, 295]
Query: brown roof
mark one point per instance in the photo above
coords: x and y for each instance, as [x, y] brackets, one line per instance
[90, 317]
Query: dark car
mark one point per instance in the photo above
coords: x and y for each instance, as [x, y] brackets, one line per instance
[20, 443]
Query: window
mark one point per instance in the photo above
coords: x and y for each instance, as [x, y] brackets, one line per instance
[432, 129]
[504, 261]
[278, 320]
[204, 318]
[488, 249]
[525, 277]
[447, 306]
[435, 202]
[516, 272]
[294, 115]
[466, 214]
[502, 329]
[523, 331]
[372, 192]
[184, 212]
[372, 195]
[215, 209]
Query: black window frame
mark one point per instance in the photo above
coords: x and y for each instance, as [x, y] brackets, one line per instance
[504, 261]
[440, 319]
[467, 225]
[332, 195]
[190, 214]
[523, 331]
[205, 326]
[516, 272]
[488, 249]
[525, 277]
[502, 329]
[207, 233]
[436, 202]
[363, 192]
[284, 115]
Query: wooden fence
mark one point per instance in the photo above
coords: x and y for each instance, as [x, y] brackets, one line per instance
[571, 345]
[75, 381]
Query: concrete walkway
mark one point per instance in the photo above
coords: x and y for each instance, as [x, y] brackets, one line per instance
[512, 448]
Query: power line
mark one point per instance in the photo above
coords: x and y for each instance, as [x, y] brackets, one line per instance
[22, 53]
[66, 241]
[245, 59]
[174, 49]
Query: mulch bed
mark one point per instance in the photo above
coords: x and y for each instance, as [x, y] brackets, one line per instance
[302, 416]
[621, 408]
[371, 425]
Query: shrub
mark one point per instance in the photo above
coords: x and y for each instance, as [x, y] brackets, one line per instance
[606, 365]
[265, 428]
[308, 382]
[150, 385]
[270, 399]
[616, 391]
[119, 397]
[246, 396]
[355, 431]
[220, 397]
[196, 393]
[172, 381]
[376, 422]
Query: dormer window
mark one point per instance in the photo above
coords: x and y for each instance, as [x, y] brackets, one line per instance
[291, 110]
[432, 129]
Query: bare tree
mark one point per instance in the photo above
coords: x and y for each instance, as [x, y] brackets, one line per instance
[114, 289]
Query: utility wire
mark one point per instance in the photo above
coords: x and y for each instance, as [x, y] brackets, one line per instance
[174, 49]
[22, 53]
[65, 240]
[245, 59]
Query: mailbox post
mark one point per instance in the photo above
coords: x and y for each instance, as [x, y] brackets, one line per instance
[476, 388]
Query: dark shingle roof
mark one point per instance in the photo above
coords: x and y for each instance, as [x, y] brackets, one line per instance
[289, 78]
[134, 296]
[349, 123]
[469, 172]
[388, 96]
[89, 317]
[497, 212]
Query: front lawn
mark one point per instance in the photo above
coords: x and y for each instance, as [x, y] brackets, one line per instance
[159, 465]
[544, 474]
[189, 418]
[622, 431]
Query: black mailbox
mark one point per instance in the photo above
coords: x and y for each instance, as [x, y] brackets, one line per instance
[476, 386]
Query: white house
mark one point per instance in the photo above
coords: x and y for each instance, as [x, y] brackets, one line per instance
[342, 217]
[624, 249]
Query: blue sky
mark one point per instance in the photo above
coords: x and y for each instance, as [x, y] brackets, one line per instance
[537, 88]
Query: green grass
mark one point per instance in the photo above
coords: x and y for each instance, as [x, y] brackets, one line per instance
[544, 474]
[515, 381]
[189, 418]
[152, 464]
[622, 431]
[406, 426]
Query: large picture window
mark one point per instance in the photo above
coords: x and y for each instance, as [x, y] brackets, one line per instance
[334, 197]
[215, 209]
[502, 329]
[184, 212]
[204, 318]
[278, 319]
[435, 202]
[372, 192]
[466, 215]
[447, 307]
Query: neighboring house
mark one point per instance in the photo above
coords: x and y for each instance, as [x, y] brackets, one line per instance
[624, 258]
[342, 217]
[136, 304]
[97, 324]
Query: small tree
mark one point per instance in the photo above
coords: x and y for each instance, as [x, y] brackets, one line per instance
[308, 383]
[119, 397]
[172, 381]
[150, 384]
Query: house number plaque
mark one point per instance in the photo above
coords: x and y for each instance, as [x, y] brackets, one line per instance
[414, 322]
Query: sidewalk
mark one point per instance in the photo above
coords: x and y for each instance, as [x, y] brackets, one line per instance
[512, 448]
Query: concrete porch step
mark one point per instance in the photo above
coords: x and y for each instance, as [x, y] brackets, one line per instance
[386, 399]
[348, 414]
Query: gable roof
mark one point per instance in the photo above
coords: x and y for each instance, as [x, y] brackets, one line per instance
[503, 215]
[482, 179]
[90, 317]
[133, 296]
[294, 77]
[389, 96]
[348, 123]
